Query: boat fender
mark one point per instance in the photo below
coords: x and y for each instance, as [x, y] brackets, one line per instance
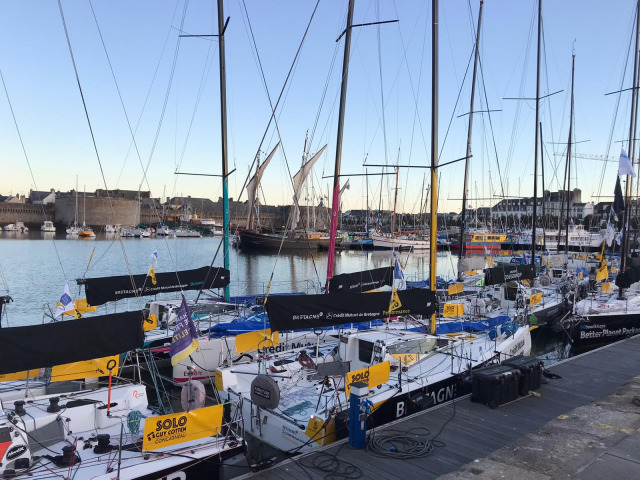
[265, 392]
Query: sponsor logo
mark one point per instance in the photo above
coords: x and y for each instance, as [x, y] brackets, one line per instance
[516, 347]
[195, 372]
[169, 427]
[360, 377]
[16, 451]
[443, 395]
[262, 392]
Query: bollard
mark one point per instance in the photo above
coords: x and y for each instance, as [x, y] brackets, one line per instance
[357, 415]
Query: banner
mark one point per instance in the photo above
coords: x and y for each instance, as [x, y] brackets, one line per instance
[372, 376]
[535, 299]
[107, 289]
[85, 369]
[455, 288]
[57, 343]
[508, 273]
[453, 310]
[185, 336]
[295, 312]
[361, 281]
[166, 430]
[250, 341]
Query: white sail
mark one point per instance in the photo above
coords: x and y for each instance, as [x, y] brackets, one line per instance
[252, 186]
[298, 181]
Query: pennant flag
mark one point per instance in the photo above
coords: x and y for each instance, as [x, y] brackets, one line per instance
[395, 302]
[66, 302]
[152, 274]
[185, 337]
[398, 274]
[154, 257]
[618, 200]
[602, 273]
[624, 165]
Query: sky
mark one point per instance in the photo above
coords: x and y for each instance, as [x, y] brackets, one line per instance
[166, 95]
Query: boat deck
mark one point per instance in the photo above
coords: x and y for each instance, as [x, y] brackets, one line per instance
[471, 431]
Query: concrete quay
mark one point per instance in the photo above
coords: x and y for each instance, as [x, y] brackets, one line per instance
[584, 425]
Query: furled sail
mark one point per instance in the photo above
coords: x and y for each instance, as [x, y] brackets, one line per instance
[317, 311]
[58, 343]
[106, 289]
[361, 281]
[252, 186]
[298, 181]
[508, 273]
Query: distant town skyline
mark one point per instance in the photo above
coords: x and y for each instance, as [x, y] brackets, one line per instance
[175, 116]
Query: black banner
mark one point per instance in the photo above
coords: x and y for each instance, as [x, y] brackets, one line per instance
[316, 311]
[361, 281]
[107, 289]
[508, 273]
[40, 346]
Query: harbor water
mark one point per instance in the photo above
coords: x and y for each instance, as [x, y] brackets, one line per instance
[35, 266]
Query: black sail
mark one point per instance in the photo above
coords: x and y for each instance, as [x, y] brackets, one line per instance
[40, 346]
[107, 289]
[361, 281]
[509, 273]
[317, 311]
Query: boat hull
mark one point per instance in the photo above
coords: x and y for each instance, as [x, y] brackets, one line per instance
[592, 330]
[252, 240]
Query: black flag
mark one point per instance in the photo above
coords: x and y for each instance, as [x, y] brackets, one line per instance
[618, 200]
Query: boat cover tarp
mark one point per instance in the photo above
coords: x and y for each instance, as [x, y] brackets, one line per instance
[259, 321]
[556, 260]
[249, 300]
[471, 263]
[107, 289]
[475, 326]
[57, 343]
[361, 281]
[508, 273]
[440, 283]
[317, 311]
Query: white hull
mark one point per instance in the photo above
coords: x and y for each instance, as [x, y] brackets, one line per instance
[304, 402]
[399, 242]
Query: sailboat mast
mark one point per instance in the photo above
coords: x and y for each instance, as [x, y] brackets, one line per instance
[433, 237]
[544, 214]
[573, 63]
[223, 143]
[336, 173]
[535, 148]
[634, 90]
[469, 131]
[366, 216]
[395, 200]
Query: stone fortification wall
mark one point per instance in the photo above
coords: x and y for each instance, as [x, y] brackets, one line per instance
[30, 214]
[98, 211]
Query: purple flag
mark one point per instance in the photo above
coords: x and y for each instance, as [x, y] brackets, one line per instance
[185, 335]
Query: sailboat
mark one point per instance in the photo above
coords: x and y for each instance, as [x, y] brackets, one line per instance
[85, 231]
[397, 240]
[253, 236]
[297, 401]
[74, 228]
[101, 432]
[611, 314]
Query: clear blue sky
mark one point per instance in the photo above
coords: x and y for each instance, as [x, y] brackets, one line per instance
[40, 80]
